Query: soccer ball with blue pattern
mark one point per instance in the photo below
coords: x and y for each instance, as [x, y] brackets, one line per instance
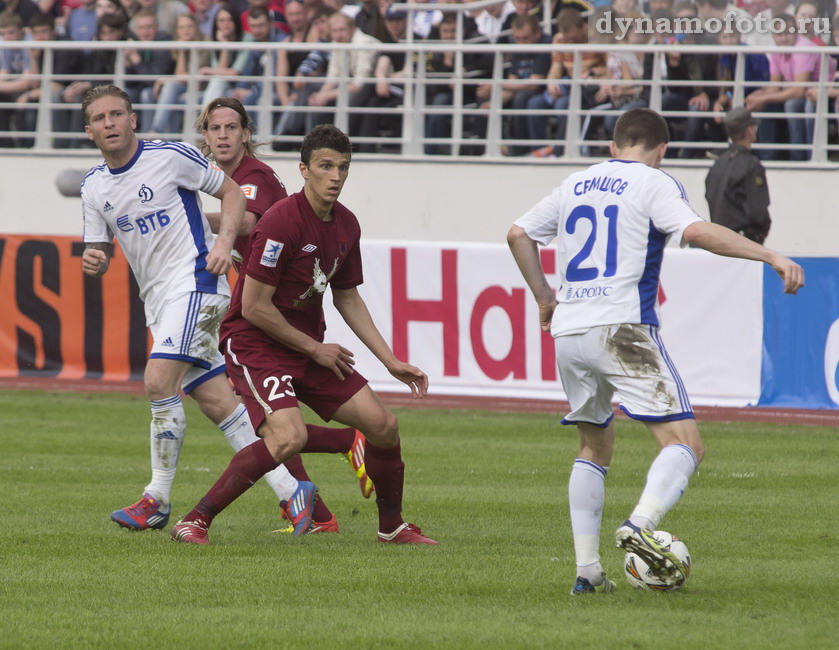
[638, 572]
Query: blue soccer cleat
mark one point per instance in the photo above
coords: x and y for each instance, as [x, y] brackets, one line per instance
[663, 563]
[584, 586]
[300, 507]
[144, 514]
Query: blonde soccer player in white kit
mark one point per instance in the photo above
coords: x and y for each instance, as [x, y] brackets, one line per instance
[146, 194]
[611, 223]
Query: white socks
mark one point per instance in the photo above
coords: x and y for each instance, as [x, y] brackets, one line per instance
[586, 493]
[666, 482]
[168, 425]
[238, 430]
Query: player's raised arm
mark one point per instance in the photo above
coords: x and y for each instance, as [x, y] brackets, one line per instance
[526, 253]
[232, 213]
[723, 241]
[96, 258]
[353, 309]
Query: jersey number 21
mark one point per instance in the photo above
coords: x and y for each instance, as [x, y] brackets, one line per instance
[576, 273]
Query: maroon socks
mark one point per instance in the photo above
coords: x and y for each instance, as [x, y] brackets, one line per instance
[387, 471]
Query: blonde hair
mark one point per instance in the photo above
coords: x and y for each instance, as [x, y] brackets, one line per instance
[97, 92]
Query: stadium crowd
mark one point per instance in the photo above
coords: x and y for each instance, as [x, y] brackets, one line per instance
[535, 94]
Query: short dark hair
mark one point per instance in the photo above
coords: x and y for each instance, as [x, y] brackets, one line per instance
[641, 126]
[112, 21]
[525, 21]
[107, 90]
[259, 12]
[324, 136]
[42, 19]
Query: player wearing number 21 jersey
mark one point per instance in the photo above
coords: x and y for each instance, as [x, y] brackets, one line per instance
[611, 223]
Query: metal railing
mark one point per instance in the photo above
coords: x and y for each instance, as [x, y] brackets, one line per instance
[467, 136]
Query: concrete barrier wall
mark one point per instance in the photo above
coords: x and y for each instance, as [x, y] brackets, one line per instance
[399, 199]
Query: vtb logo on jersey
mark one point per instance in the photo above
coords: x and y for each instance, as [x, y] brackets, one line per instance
[146, 193]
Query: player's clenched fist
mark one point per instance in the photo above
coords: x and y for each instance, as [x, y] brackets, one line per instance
[94, 262]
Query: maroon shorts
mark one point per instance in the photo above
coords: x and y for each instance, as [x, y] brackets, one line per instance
[269, 379]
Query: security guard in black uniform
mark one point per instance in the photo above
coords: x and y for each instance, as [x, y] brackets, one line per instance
[735, 188]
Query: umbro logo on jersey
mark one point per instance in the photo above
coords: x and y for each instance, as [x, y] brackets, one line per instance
[166, 435]
[168, 342]
[146, 193]
[108, 207]
[308, 248]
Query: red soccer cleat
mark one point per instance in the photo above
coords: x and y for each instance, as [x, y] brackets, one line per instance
[330, 526]
[190, 532]
[355, 456]
[405, 534]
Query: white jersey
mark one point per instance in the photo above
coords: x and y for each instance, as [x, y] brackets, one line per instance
[611, 223]
[152, 206]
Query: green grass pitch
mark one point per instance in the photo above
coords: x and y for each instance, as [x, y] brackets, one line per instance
[759, 518]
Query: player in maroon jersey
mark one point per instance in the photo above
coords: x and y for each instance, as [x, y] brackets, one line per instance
[273, 343]
[225, 125]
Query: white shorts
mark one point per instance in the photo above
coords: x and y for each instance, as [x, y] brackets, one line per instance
[629, 361]
[187, 330]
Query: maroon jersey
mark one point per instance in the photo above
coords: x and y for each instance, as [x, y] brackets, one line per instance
[294, 251]
[262, 189]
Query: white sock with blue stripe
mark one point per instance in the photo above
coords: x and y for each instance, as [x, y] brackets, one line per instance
[238, 431]
[168, 426]
[666, 483]
[586, 494]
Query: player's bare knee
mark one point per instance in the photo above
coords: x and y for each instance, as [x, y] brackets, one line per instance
[383, 430]
[283, 441]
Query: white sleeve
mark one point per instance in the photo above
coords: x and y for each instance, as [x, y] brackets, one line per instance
[191, 169]
[540, 223]
[669, 208]
[94, 227]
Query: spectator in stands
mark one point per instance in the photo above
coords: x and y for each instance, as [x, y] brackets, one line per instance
[167, 12]
[523, 66]
[800, 67]
[442, 65]
[131, 7]
[735, 188]
[82, 21]
[719, 10]
[24, 9]
[774, 9]
[832, 90]
[289, 95]
[756, 70]
[388, 91]
[99, 65]
[13, 64]
[571, 29]
[623, 8]
[355, 69]
[169, 91]
[205, 13]
[626, 66]
[809, 24]
[225, 64]
[371, 21]
[42, 28]
[490, 20]
[151, 64]
[524, 8]
[274, 8]
[110, 7]
[262, 30]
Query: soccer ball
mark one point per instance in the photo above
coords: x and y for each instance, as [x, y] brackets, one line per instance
[638, 572]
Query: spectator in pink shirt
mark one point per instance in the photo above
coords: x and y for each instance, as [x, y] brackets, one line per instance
[799, 67]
